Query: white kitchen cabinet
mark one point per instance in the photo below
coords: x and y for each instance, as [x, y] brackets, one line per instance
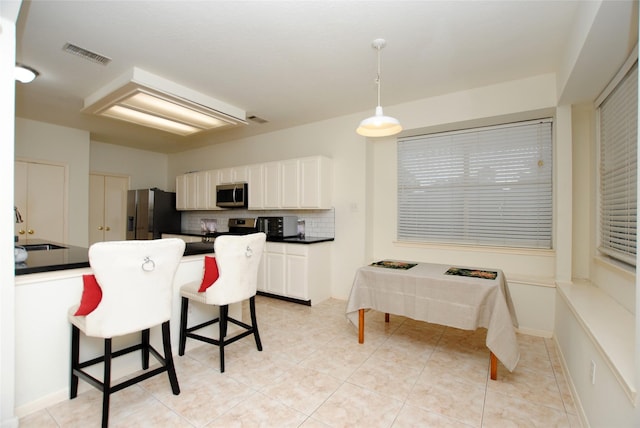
[316, 182]
[302, 183]
[201, 191]
[271, 185]
[290, 184]
[275, 265]
[296, 271]
[194, 190]
[107, 207]
[236, 174]
[40, 197]
[255, 180]
[181, 192]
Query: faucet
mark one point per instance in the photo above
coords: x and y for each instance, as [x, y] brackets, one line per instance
[18, 215]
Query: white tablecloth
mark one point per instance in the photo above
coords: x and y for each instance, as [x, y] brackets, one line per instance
[426, 293]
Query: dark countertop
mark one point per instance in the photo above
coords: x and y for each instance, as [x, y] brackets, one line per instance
[71, 257]
[293, 240]
[305, 240]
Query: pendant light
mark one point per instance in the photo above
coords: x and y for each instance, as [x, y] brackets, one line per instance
[379, 125]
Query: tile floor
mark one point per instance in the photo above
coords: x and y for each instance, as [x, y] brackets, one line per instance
[313, 373]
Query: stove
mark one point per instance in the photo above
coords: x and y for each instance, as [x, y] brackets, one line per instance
[237, 226]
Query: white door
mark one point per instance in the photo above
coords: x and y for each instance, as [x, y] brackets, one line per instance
[107, 207]
[40, 196]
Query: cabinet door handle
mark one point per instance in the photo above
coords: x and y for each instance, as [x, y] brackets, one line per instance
[21, 231]
[99, 227]
[107, 228]
[30, 231]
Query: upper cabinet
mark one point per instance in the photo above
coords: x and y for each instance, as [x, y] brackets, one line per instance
[301, 183]
[316, 182]
[197, 190]
[237, 174]
[255, 181]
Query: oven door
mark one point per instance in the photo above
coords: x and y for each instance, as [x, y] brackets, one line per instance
[232, 195]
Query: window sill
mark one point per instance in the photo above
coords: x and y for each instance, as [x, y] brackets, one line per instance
[600, 316]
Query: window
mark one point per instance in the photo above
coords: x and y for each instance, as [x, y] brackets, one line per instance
[481, 186]
[618, 133]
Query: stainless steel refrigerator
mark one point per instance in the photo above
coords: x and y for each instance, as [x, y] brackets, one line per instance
[151, 212]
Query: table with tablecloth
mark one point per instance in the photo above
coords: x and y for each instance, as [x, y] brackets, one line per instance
[425, 292]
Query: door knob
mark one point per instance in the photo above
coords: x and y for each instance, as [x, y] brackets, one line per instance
[99, 227]
[30, 231]
[107, 228]
[21, 231]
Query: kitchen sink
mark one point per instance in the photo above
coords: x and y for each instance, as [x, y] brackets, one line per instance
[42, 247]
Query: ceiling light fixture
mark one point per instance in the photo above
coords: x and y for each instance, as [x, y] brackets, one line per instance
[149, 100]
[24, 74]
[379, 125]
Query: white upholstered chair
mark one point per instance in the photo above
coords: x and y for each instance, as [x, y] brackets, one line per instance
[136, 280]
[238, 260]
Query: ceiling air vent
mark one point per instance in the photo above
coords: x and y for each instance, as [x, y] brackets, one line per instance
[257, 119]
[88, 55]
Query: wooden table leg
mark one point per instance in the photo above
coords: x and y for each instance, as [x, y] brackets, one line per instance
[360, 325]
[386, 317]
[494, 366]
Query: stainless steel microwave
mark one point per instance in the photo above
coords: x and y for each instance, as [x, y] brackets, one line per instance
[234, 195]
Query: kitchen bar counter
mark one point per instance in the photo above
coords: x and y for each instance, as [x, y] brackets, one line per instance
[72, 257]
[291, 240]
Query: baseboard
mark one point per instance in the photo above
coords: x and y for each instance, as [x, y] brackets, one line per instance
[572, 388]
[42, 403]
[534, 332]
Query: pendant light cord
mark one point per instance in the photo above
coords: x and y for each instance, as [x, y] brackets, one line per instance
[378, 76]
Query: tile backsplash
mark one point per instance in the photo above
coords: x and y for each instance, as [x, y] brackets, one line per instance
[318, 223]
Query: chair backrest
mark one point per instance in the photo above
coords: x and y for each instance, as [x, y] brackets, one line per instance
[238, 259]
[136, 278]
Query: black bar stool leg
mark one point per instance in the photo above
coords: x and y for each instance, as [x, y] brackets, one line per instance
[254, 322]
[183, 326]
[75, 360]
[106, 393]
[168, 357]
[224, 312]
[145, 349]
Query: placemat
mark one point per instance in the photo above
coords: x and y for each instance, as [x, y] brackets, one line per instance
[474, 273]
[391, 264]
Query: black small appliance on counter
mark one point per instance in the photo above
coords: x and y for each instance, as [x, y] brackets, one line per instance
[279, 226]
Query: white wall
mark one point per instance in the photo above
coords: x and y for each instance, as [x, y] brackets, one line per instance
[42, 141]
[8, 16]
[146, 169]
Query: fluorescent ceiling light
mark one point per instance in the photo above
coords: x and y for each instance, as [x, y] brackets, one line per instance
[149, 100]
[24, 74]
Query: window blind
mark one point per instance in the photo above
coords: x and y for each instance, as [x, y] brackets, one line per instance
[484, 186]
[618, 122]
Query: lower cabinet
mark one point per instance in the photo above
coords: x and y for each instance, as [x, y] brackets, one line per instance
[296, 271]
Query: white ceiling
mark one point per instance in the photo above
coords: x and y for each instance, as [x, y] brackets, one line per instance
[289, 62]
